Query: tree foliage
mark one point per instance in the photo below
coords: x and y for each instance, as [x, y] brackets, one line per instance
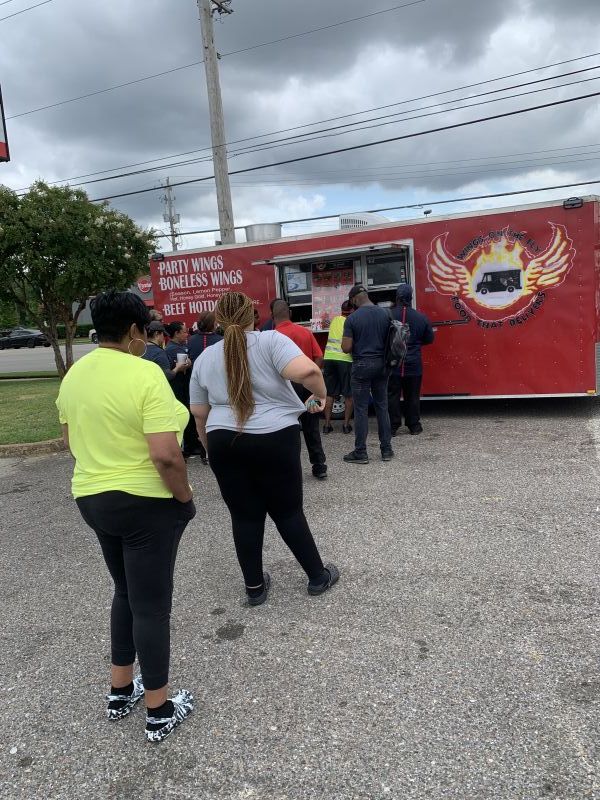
[57, 249]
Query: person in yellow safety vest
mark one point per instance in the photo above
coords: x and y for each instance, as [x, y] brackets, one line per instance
[337, 369]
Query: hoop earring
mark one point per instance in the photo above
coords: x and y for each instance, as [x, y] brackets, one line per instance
[137, 355]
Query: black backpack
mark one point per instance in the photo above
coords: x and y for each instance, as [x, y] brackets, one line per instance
[396, 343]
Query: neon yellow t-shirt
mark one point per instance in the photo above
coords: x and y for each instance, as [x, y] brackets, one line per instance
[333, 350]
[110, 400]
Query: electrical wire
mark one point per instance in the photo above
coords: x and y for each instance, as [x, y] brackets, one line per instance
[257, 149]
[314, 136]
[365, 145]
[23, 10]
[316, 122]
[593, 182]
[197, 63]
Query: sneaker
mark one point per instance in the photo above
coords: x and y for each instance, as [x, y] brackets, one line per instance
[120, 705]
[327, 429]
[333, 576]
[387, 455]
[259, 599]
[416, 429]
[319, 471]
[355, 458]
[158, 728]
[346, 428]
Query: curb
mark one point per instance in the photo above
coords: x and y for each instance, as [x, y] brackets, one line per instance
[32, 448]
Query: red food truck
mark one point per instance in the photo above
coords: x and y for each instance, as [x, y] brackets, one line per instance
[513, 293]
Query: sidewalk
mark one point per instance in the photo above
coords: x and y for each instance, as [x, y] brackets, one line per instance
[457, 658]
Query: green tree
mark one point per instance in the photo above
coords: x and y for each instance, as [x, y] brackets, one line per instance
[57, 249]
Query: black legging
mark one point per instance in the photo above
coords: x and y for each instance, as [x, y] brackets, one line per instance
[139, 537]
[261, 474]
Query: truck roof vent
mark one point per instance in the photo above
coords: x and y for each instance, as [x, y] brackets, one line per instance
[261, 233]
[353, 221]
[573, 202]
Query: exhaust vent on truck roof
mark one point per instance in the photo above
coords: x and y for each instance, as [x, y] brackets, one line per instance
[261, 233]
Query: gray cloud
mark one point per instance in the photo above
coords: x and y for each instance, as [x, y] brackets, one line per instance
[69, 48]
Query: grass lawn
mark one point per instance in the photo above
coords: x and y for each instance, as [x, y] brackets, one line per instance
[27, 411]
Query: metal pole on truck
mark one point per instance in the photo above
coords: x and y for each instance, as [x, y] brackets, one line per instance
[217, 123]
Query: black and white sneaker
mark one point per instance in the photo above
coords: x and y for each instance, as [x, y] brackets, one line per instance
[158, 728]
[120, 705]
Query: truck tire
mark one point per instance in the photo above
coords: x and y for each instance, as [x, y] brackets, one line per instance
[510, 289]
[483, 290]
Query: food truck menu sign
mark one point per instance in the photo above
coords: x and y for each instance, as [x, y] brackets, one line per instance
[330, 287]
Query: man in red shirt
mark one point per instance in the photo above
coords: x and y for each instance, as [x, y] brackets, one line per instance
[310, 347]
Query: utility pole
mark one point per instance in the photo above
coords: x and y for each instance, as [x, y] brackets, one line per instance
[215, 107]
[170, 216]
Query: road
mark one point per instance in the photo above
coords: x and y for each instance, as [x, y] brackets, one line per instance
[456, 658]
[40, 359]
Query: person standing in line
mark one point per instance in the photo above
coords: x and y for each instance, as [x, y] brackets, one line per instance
[205, 335]
[310, 347]
[156, 351]
[337, 371]
[155, 315]
[269, 324]
[365, 336]
[123, 426]
[177, 351]
[405, 380]
[247, 416]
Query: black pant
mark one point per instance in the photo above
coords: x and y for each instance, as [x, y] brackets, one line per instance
[370, 378]
[409, 388]
[139, 537]
[261, 474]
[310, 424]
[191, 440]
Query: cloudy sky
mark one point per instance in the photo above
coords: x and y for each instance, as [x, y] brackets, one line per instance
[402, 56]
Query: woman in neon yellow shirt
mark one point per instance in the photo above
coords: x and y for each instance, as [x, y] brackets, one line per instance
[123, 427]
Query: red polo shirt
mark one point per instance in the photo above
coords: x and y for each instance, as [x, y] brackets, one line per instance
[302, 337]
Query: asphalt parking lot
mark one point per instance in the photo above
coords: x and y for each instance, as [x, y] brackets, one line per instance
[457, 658]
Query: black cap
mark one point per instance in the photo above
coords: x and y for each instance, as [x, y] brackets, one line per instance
[358, 288]
[156, 327]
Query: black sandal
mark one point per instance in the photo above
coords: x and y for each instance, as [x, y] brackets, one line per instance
[334, 576]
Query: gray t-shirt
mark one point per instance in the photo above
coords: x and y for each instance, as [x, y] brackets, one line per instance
[277, 405]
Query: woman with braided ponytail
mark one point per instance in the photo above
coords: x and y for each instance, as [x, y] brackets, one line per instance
[247, 415]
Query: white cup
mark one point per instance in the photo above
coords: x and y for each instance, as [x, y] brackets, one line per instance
[181, 358]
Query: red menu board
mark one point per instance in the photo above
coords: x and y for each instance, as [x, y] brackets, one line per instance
[330, 288]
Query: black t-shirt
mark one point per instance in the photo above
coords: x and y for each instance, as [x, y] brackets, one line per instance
[199, 342]
[181, 382]
[368, 328]
[155, 352]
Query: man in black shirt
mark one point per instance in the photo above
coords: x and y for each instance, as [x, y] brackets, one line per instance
[406, 379]
[365, 336]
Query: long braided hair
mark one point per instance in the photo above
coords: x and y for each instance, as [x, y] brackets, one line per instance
[234, 313]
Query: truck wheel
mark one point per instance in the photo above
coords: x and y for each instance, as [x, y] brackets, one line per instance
[510, 289]
[483, 290]
[94, 338]
[31, 344]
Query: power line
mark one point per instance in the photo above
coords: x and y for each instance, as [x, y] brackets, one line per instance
[197, 63]
[285, 142]
[354, 147]
[23, 10]
[417, 205]
[314, 135]
[317, 122]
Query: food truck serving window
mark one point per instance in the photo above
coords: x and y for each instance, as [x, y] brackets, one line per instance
[388, 269]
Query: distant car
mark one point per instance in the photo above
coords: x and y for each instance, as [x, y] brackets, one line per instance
[93, 336]
[23, 337]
